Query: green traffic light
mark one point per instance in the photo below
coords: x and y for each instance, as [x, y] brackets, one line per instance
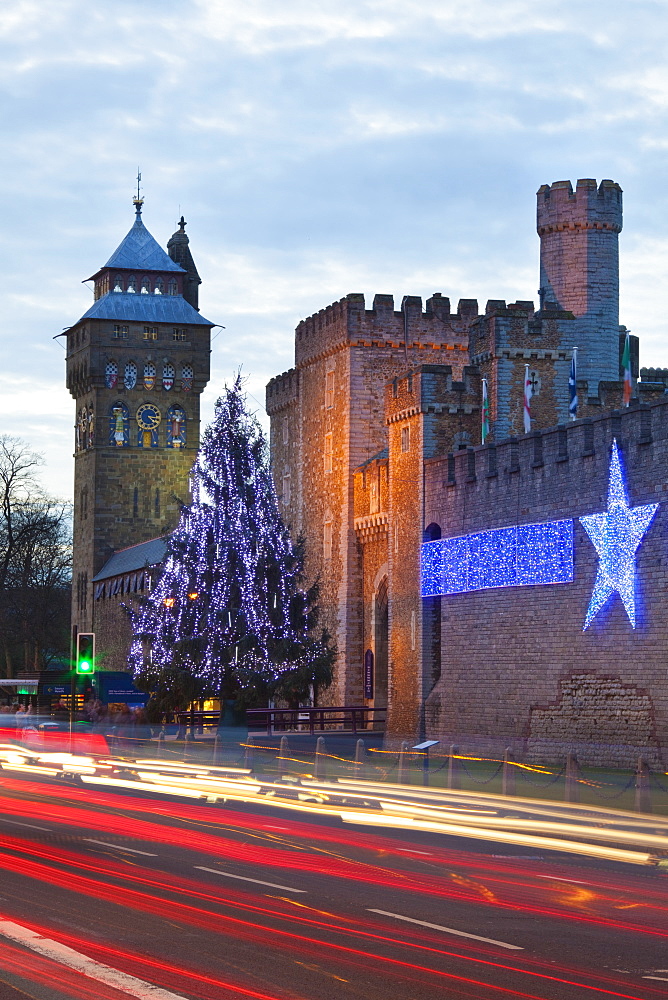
[85, 667]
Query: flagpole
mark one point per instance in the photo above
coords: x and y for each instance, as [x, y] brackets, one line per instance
[573, 386]
[527, 400]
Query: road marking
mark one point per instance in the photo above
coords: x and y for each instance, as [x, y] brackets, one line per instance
[244, 878]
[555, 878]
[30, 826]
[449, 930]
[86, 966]
[117, 847]
[404, 850]
[661, 979]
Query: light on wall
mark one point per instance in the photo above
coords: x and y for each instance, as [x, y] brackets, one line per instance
[616, 535]
[525, 555]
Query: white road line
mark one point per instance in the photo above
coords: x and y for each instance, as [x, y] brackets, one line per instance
[81, 963]
[244, 878]
[449, 930]
[661, 979]
[404, 850]
[117, 847]
[30, 826]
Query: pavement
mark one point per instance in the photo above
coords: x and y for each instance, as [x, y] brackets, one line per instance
[159, 881]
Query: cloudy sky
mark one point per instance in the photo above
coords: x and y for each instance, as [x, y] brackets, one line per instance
[316, 147]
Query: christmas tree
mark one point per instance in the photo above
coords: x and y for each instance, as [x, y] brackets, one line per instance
[229, 610]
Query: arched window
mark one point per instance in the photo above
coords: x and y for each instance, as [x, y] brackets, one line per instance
[111, 374]
[157, 503]
[119, 425]
[168, 377]
[145, 286]
[118, 283]
[135, 501]
[159, 287]
[176, 427]
[187, 378]
[172, 287]
[130, 375]
[132, 283]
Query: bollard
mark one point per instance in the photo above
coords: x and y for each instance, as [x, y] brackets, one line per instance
[217, 758]
[403, 777]
[643, 803]
[188, 746]
[248, 753]
[160, 743]
[454, 778]
[360, 754]
[320, 759]
[571, 790]
[283, 752]
[508, 774]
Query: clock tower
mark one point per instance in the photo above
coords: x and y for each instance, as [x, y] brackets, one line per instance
[137, 362]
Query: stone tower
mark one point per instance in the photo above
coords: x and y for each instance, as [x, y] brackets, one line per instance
[137, 362]
[579, 268]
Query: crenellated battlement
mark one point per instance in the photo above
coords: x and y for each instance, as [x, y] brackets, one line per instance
[282, 390]
[590, 206]
[348, 321]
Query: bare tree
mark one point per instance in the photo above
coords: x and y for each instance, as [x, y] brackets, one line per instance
[35, 555]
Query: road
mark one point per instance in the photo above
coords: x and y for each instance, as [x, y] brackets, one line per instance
[110, 892]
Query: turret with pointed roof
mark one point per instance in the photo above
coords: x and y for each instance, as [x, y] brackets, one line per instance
[179, 251]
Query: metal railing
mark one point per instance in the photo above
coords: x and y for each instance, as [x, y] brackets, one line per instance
[344, 718]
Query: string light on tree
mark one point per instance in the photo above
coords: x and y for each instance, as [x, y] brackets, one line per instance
[230, 608]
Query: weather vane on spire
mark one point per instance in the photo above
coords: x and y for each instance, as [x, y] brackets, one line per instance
[138, 201]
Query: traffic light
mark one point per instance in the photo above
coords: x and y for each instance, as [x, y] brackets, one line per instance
[85, 652]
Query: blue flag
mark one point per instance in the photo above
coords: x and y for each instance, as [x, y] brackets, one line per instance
[573, 386]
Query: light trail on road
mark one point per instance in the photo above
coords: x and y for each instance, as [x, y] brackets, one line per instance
[371, 915]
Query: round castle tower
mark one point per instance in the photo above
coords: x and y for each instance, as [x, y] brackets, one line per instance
[579, 268]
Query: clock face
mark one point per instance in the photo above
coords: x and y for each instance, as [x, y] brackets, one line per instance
[148, 416]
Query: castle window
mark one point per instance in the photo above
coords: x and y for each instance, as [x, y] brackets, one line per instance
[286, 490]
[413, 630]
[150, 333]
[286, 430]
[159, 287]
[132, 283]
[187, 375]
[135, 502]
[118, 283]
[179, 334]
[327, 540]
[120, 332]
[130, 375]
[83, 503]
[373, 497]
[145, 286]
[172, 287]
[157, 504]
[329, 390]
[406, 438]
[328, 454]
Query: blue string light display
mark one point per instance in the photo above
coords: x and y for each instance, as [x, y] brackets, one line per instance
[616, 535]
[525, 555]
[228, 608]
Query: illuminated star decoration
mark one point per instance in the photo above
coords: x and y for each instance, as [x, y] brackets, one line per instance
[616, 536]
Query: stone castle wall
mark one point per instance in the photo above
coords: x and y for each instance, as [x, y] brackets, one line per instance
[512, 657]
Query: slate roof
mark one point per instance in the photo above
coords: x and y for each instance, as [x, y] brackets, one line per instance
[140, 252]
[136, 557]
[135, 307]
